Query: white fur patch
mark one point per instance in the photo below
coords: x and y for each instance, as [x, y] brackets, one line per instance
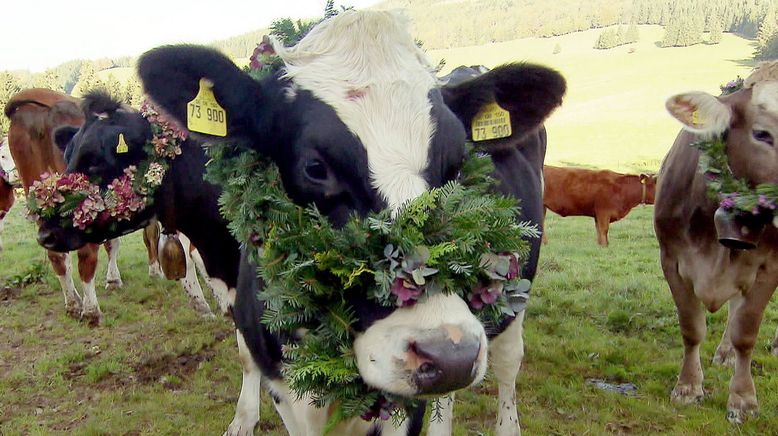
[700, 113]
[381, 349]
[765, 95]
[7, 163]
[372, 52]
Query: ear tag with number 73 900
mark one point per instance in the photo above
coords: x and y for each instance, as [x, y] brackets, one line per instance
[204, 115]
[491, 122]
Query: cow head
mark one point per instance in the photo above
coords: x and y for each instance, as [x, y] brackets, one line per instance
[355, 122]
[92, 150]
[749, 121]
[648, 182]
[7, 165]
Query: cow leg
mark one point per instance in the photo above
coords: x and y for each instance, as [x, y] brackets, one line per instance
[543, 236]
[602, 222]
[60, 263]
[442, 417]
[691, 319]
[219, 292]
[505, 353]
[113, 279]
[1, 231]
[191, 284]
[151, 241]
[87, 267]
[725, 352]
[744, 329]
[247, 410]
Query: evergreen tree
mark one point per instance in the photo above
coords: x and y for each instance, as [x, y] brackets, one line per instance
[86, 80]
[632, 34]
[716, 31]
[49, 80]
[9, 85]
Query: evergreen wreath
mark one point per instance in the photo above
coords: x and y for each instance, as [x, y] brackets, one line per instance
[734, 195]
[459, 238]
[79, 202]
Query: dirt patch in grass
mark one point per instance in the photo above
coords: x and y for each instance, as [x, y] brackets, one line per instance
[168, 369]
[9, 293]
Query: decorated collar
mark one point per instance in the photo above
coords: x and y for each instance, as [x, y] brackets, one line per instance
[80, 203]
[734, 195]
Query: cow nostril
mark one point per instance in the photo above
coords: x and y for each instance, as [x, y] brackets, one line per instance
[427, 371]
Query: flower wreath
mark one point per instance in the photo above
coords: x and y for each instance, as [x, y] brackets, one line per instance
[735, 195]
[459, 238]
[80, 203]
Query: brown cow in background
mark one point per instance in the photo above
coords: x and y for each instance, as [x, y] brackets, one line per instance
[604, 195]
[7, 174]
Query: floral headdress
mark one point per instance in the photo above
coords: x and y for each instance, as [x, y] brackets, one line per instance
[82, 204]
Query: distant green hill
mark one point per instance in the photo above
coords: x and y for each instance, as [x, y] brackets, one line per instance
[613, 115]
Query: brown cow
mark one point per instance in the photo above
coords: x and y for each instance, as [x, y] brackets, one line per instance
[700, 271]
[603, 195]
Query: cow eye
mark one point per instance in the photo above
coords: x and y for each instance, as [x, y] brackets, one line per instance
[315, 170]
[763, 136]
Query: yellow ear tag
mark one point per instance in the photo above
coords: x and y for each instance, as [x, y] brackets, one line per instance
[121, 147]
[204, 114]
[491, 122]
[696, 118]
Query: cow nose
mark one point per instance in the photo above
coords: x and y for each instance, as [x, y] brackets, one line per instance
[443, 365]
[46, 238]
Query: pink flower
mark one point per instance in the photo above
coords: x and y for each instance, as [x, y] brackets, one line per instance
[406, 292]
[485, 295]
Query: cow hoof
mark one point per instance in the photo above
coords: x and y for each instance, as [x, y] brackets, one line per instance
[739, 417]
[774, 348]
[240, 429]
[92, 318]
[724, 357]
[687, 394]
[114, 284]
[155, 270]
[73, 310]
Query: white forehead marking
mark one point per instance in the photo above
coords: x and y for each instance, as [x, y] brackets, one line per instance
[366, 66]
[765, 94]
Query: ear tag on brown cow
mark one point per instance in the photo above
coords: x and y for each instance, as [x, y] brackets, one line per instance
[121, 147]
[491, 122]
[204, 114]
[697, 118]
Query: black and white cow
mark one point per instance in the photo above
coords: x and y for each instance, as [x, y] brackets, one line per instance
[356, 122]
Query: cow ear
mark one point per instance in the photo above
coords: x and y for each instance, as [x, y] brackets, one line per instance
[171, 76]
[529, 93]
[700, 113]
[63, 136]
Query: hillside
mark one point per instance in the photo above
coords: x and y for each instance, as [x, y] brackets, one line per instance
[613, 115]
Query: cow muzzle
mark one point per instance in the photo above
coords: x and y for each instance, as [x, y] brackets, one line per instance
[443, 365]
[432, 348]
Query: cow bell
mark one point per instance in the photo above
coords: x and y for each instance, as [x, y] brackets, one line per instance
[738, 231]
[172, 258]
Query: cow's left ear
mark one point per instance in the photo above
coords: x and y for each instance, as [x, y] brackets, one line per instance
[528, 93]
[700, 113]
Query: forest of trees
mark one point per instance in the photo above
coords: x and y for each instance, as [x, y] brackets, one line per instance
[473, 22]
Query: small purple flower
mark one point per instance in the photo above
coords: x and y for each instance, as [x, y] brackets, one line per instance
[406, 292]
[382, 408]
[513, 270]
[255, 239]
[485, 295]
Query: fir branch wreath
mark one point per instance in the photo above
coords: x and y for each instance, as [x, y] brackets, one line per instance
[734, 195]
[79, 202]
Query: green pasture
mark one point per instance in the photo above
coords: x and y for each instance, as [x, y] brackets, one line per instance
[613, 115]
[155, 367]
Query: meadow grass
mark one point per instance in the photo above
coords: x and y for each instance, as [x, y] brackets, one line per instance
[155, 367]
[613, 115]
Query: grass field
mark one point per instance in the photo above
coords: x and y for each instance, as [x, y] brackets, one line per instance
[613, 115]
[154, 367]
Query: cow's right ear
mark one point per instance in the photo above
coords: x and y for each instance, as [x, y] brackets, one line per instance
[700, 113]
[171, 76]
[63, 136]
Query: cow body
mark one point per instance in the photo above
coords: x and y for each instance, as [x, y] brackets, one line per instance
[700, 271]
[356, 123]
[604, 195]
